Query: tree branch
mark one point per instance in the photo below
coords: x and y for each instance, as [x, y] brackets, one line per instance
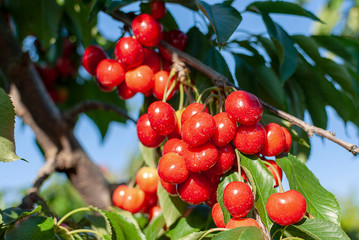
[221, 81]
[71, 114]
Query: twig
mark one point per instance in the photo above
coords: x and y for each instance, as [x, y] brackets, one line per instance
[261, 225]
[71, 114]
[221, 81]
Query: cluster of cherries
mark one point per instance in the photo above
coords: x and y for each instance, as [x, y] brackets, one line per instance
[137, 67]
[201, 148]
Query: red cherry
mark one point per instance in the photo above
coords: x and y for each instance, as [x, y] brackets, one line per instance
[162, 117]
[147, 179]
[198, 129]
[124, 92]
[176, 38]
[288, 140]
[191, 110]
[129, 52]
[169, 187]
[152, 59]
[195, 190]
[275, 141]
[172, 168]
[226, 159]
[118, 195]
[154, 212]
[160, 81]
[175, 145]
[241, 222]
[134, 200]
[48, 75]
[250, 139]
[238, 199]
[177, 132]
[224, 131]
[147, 30]
[68, 48]
[286, 208]
[244, 107]
[110, 73]
[93, 55]
[158, 9]
[140, 79]
[217, 216]
[166, 64]
[201, 158]
[151, 200]
[65, 67]
[147, 136]
[277, 168]
[102, 87]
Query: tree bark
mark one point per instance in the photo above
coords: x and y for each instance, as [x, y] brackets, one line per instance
[55, 137]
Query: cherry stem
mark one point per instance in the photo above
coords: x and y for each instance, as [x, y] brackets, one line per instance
[220, 101]
[189, 84]
[83, 231]
[276, 174]
[172, 73]
[181, 97]
[208, 99]
[132, 182]
[230, 89]
[206, 90]
[71, 213]
[238, 155]
[170, 90]
[213, 230]
[295, 238]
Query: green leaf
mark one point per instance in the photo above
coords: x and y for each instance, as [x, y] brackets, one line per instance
[281, 7]
[61, 234]
[334, 45]
[148, 155]
[285, 47]
[11, 215]
[100, 224]
[263, 181]
[216, 61]
[116, 4]
[320, 203]
[154, 227]
[197, 236]
[226, 178]
[124, 226]
[7, 124]
[198, 45]
[172, 207]
[195, 221]
[223, 18]
[241, 233]
[32, 228]
[97, 6]
[40, 18]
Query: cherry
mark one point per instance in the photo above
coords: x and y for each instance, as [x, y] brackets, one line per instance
[217, 216]
[191, 110]
[195, 190]
[241, 222]
[152, 59]
[172, 168]
[160, 81]
[140, 79]
[151, 199]
[177, 39]
[125, 92]
[158, 9]
[147, 136]
[92, 56]
[170, 188]
[118, 195]
[110, 73]
[129, 52]
[277, 168]
[224, 131]
[134, 200]
[238, 198]
[288, 140]
[226, 159]
[201, 158]
[147, 179]
[68, 48]
[65, 67]
[48, 75]
[147, 30]
[244, 107]
[198, 129]
[154, 212]
[250, 139]
[175, 145]
[286, 208]
[275, 141]
[162, 117]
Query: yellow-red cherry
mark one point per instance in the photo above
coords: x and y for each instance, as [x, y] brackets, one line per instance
[241, 222]
[147, 136]
[140, 79]
[147, 179]
[275, 140]
[162, 117]
[118, 195]
[250, 139]
[217, 216]
[154, 212]
[134, 200]
[172, 168]
[238, 198]
[243, 107]
[286, 208]
[196, 189]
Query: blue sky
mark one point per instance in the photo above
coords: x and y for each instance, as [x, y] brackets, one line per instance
[335, 167]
